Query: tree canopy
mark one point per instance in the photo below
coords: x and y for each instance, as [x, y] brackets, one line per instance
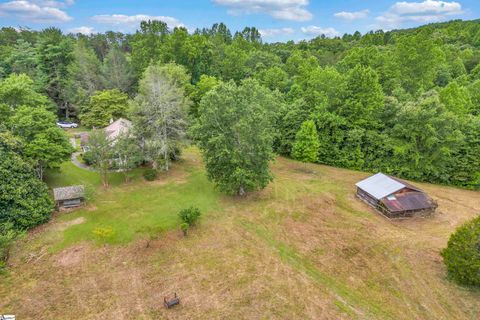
[235, 133]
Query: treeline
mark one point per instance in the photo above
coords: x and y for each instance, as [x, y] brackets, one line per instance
[404, 102]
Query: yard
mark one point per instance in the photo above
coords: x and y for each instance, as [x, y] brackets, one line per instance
[302, 248]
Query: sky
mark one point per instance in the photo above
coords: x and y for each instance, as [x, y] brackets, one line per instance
[277, 20]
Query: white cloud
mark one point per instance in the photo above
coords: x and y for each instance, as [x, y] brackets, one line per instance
[82, 30]
[280, 9]
[276, 32]
[355, 15]
[421, 12]
[53, 3]
[133, 21]
[35, 11]
[316, 31]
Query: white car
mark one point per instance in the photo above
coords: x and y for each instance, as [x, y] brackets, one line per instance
[66, 124]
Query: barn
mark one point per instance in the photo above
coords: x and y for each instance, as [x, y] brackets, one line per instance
[394, 198]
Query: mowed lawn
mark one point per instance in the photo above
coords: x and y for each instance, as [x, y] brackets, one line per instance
[133, 208]
[303, 248]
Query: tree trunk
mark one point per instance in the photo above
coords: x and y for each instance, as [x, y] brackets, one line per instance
[105, 178]
[241, 192]
[40, 171]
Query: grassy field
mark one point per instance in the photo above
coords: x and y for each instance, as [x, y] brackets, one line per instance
[303, 248]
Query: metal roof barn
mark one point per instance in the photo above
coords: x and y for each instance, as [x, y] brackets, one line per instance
[380, 185]
[394, 198]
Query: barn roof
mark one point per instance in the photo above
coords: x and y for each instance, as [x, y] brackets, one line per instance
[380, 185]
[408, 201]
[68, 193]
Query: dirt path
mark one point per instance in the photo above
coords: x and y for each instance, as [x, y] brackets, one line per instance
[78, 163]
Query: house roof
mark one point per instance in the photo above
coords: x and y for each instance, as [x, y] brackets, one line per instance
[118, 127]
[381, 185]
[84, 137]
[68, 193]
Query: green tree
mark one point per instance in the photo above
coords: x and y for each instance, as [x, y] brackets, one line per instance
[19, 90]
[46, 145]
[127, 153]
[117, 71]
[456, 98]
[418, 57]
[363, 98]
[148, 44]
[202, 87]
[23, 58]
[235, 134]
[425, 136]
[48, 150]
[274, 78]
[54, 54]
[85, 71]
[101, 152]
[159, 115]
[104, 106]
[462, 254]
[306, 143]
[24, 199]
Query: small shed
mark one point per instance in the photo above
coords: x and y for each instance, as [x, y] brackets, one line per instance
[394, 198]
[69, 197]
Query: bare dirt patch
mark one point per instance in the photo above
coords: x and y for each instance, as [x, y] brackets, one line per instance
[71, 256]
[61, 226]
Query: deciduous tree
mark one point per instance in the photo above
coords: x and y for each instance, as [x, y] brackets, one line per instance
[104, 106]
[235, 134]
[306, 143]
[159, 114]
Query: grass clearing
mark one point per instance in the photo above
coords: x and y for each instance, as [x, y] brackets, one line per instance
[303, 248]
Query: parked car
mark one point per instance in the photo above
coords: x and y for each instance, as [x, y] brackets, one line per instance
[66, 124]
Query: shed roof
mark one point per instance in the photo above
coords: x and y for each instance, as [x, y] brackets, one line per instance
[68, 193]
[380, 185]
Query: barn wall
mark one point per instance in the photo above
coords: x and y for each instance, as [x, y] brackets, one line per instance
[367, 197]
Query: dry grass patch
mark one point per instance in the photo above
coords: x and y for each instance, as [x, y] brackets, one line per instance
[303, 248]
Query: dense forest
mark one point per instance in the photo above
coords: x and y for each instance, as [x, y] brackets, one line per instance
[405, 102]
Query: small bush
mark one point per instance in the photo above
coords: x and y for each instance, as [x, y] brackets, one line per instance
[462, 255]
[184, 227]
[150, 174]
[190, 215]
[88, 158]
[103, 234]
[7, 236]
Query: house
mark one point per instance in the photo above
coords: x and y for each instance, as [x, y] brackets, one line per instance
[117, 128]
[113, 131]
[393, 197]
[69, 197]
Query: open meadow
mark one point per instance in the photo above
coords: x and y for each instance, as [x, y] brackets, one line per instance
[303, 248]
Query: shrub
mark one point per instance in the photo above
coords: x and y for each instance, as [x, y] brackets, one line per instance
[88, 158]
[150, 174]
[462, 255]
[184, 226]
[190, 215]
[7, 236]
[103, 234]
